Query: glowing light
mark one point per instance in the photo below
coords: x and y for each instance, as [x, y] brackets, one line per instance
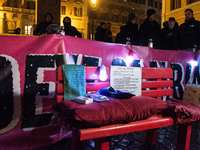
[103, 76]
[130, 57]
[93, 3]
[193, 63]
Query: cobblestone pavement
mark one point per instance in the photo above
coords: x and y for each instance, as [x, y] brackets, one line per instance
[136, 141]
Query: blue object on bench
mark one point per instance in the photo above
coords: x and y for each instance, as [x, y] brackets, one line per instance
[111, 92]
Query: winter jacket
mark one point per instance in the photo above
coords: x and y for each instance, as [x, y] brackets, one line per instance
[72, 31]
[188, 34]
[150, 30]
[128, 31]
[100, 35]
[41, 28]
[109, 35]
[168, 36]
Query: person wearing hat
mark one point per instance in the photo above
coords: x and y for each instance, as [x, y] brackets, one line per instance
[150, 29]
[100, 34]
[42, 26]
[69, 29]
[17, 31]
[129, 31]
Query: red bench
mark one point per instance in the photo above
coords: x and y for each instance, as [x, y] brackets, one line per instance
[156, 81]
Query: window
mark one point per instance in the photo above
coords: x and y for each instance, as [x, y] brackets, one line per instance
[192, 1]
[175, 4]
[115, 15]
[160, 5]
[104, 16]
[63, 10]
[77, 12]
[150, 3]
[135, 1]
[156, 4]
[93, 14]
[115, 18]
[124, 19]
[31, 5]
[11, 3]
[78, 9]
[28, 29]
[142, 2]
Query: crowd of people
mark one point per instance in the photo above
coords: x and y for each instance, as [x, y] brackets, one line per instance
[170, 37]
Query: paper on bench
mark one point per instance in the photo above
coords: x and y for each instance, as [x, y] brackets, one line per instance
[74, 81]
[126, 79]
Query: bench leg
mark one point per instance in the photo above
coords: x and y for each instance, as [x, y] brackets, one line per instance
[151, 136]
[183, 140]
[102, 143]
[75, 144]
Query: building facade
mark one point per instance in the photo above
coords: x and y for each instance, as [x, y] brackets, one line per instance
[17, 14]
[23, 14]
[176, 8]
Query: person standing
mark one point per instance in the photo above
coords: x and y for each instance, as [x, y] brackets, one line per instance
[42, 26]
[100, 34]
[150, 29]
[168, 34]
[69, 29]
[108, 32]
[130, 31]
[188, 34]
[17, 31]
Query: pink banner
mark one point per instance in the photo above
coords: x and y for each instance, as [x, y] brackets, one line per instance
[28, 77]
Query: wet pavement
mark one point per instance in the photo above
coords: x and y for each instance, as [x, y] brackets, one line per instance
[136, 141]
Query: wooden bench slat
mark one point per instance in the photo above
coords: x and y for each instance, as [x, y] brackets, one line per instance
[157, 84]
[60, 89]
[153, 73]
[59, 73]
[59, 98]
[157, 93]
[95, 86]
[155, 121]
[92, 72]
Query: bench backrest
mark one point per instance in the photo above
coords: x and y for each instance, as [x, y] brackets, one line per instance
[156, 82]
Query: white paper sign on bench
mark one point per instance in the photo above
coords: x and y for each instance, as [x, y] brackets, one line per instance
[126, 79]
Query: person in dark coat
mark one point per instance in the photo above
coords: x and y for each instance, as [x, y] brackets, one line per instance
[130, 31]
[150, 29]
[168, 34]
[108, 32]
[42, 26]
[17, 31]
[188, 34]
[69, 29]
[100, 34]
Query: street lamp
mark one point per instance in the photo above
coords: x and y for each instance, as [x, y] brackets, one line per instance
[93, 4]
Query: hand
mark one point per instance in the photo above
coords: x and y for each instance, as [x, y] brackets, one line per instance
[170, 34]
